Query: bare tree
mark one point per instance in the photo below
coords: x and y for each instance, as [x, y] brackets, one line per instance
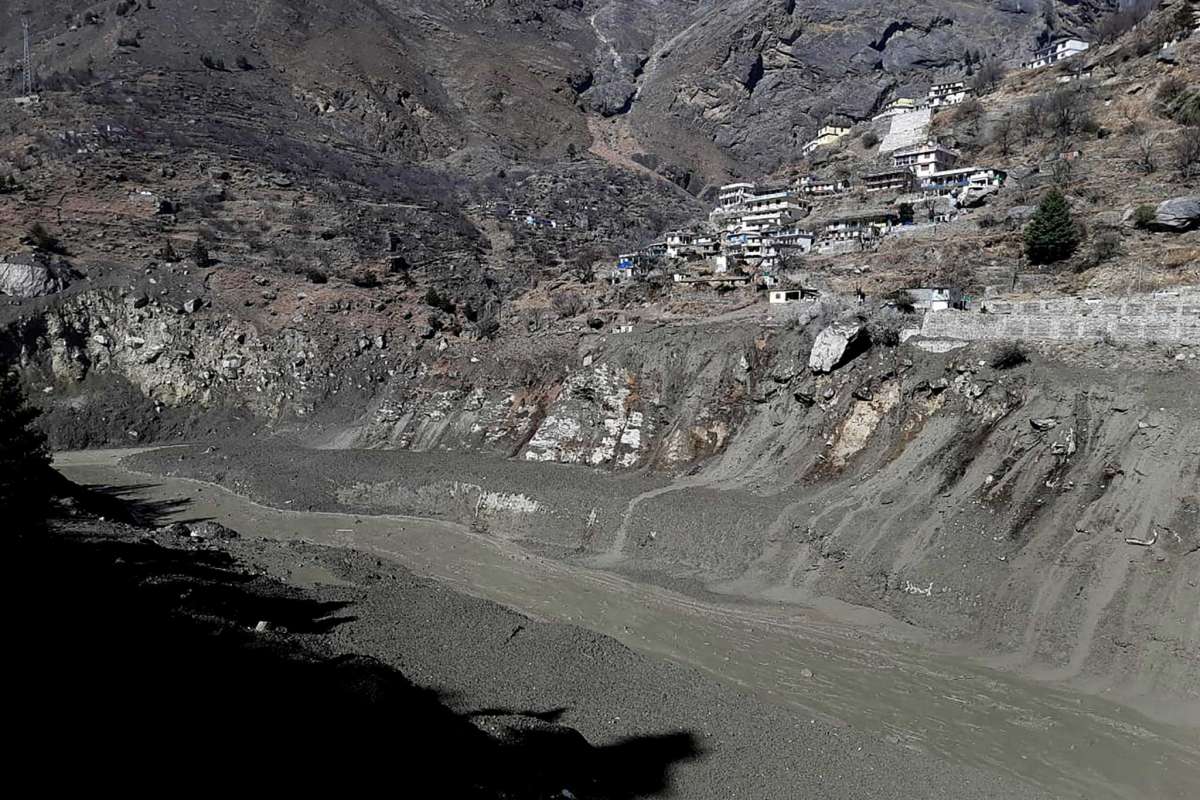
[988, 75]
[1033, 117]
[1062, 171]
[1002, 134]
[1063, 112]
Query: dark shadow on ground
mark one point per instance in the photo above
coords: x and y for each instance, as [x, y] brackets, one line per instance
[139, 664]
[122, 503]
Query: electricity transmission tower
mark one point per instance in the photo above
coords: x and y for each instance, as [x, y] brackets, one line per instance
[26, 62]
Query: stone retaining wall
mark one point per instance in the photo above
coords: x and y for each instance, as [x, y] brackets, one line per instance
[1176, 319]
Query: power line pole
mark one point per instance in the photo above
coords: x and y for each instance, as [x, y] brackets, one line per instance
[27, 62]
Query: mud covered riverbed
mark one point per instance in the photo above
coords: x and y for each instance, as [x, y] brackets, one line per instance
[1067, 743]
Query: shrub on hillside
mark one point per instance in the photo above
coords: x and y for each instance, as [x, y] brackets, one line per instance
[316, 276]
[200, 254]
[1052, 234]
[1178, 100]
[44, 240]
[1143, 215]
[902, 301]
[435, 299]
[870, 139]
[1105, 246]
[24, 456]
[884, 326]
[568, 304]
[1187, 152]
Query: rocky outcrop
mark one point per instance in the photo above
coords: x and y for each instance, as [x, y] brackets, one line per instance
[835, 345]
[1177, 214]
[32, 276]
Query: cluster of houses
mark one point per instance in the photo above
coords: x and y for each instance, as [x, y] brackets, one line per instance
[940, 95]
[932, 171]
[754, 230]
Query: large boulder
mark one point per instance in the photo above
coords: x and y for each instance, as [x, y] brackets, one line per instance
[975, 196]
[1177, 214]
[28, 275]
[835, 345]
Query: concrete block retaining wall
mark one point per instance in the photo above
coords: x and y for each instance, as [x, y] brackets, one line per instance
[1144, 319]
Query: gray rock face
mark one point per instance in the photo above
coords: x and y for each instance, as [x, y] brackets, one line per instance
[832, 345]
[610, 98]
[1177, 214]
[757, 78]
[32, 276]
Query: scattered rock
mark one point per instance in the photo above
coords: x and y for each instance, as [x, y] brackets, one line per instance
[1043, 423]
[32, 275]
[210, 530]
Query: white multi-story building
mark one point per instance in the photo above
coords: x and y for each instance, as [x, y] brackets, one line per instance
[1055, 52]
[898, 181]
[947, 94]
[925, 159]
[732, 195]
[901, 105]
[860, 225]
[818, 187]
[947, 181]
[742, 209]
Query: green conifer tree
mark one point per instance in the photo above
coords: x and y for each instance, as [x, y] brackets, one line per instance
[1052, 234]
[24, 456]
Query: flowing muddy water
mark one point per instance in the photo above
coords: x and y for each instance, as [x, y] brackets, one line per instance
[1069, 743]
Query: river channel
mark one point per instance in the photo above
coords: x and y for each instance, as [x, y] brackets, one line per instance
[1070, 743]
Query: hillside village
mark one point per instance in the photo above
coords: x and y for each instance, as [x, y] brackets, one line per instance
[897, 177]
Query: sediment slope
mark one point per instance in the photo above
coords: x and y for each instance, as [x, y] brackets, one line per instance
[1044, 514]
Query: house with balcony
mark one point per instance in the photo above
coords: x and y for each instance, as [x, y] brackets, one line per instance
[868, 224]
[947, 94]
[897, 181]
[948, 181]
[820, 187]
[679, 243]
[827, 135]
[771, 247]
[924, 159]
[732, 195]
[1055, 52]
